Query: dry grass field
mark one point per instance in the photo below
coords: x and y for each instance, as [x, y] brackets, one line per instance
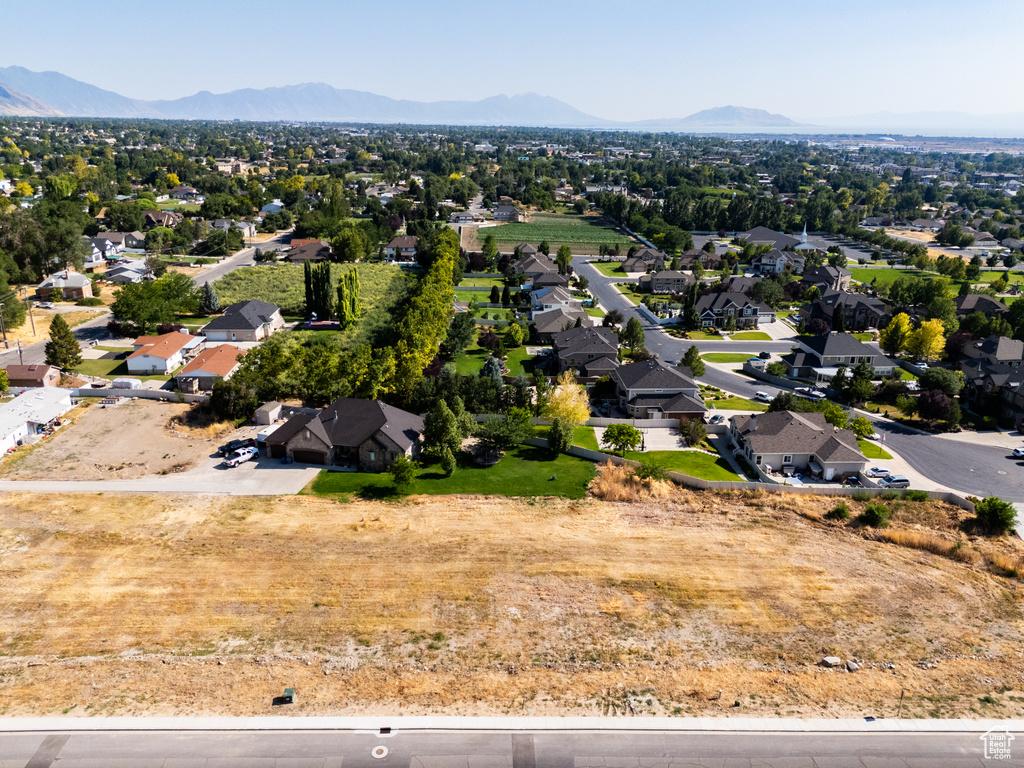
[134, 439]
[483, 605]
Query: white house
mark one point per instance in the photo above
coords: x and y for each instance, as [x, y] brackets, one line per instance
[247, 228]
[161, 355]
[551, 298]
[31, 413]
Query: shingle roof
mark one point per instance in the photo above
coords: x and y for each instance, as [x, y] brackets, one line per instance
[220, 361]
[164, 347]
[979, 302]
[557, 318]
[405, 241]
[652, 374]
[349, 423]
[243, 315]
[789, 432]
[765, 235]
[65, 279]
[834, 343]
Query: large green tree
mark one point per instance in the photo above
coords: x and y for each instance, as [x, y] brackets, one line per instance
[62, 350]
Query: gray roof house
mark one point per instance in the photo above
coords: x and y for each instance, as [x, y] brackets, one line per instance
[715, 309]
[824, 354]
[860, 311]
[765, 236]
[980, 302]
[828, 278]
[787, 442]
[547, 324]
[776, 262]
[252, 320]
[653, 390]
[590, 351]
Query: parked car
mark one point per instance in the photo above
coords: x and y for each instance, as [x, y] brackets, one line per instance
[1019, 452]
[877, 472]
[235, 445]
[241, 456]
[717, 419]
[763, 397]
[921, 366]
[44, 304]
[765, 355]
[913, 386]
[874, 436]
[895, 481]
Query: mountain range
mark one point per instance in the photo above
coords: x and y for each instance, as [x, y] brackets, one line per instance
[25, 93]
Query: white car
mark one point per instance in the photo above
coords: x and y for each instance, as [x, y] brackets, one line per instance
[241, 456]
[763, 397]
[1019, 452]
[874, 436]
[44, 304]
[913, 386]
[877, 472]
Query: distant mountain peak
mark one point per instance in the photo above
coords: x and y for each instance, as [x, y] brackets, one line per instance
[738, 117]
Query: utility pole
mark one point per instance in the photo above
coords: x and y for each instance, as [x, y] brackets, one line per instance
[21, 357]
[2, 329]
[28, 305]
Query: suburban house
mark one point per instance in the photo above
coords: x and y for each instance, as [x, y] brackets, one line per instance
[533, 265]
[644, 260]
[547, 324]
[251, 320]
[666, 281]
[185, 192]
[708, 260]
[765, 236]
[787, 442]
[550, 280]
[314, 251]
[169, 219]
[402, 248]
[980, 302]
[72, 286]
[32, 376]
[506, 213]
[994, 377]
[161, 355]
[653, 390]
[274, 206]
[101, 249]
[828, 278]
[551, 298]
[860, 311]
[132, 241]
[247, 228]
[368, 434]
[715, 309]
[740, 284]
[128, 271]
[526, 249]
[776, 262]
[463, 217]
[824, 354]
[588, 351]
[209, 366]
[31, 413]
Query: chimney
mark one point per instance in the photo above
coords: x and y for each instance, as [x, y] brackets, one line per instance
[753, 422]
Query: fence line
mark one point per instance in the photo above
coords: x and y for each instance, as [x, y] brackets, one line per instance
[146, 394]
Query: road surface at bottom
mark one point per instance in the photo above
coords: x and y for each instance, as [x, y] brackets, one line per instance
[704, 744]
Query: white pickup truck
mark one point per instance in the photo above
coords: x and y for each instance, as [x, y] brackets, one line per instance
[240, 456]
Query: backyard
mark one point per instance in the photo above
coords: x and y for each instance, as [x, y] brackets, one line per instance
[692, 463]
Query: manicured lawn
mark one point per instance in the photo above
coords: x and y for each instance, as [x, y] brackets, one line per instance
[112, 369]
[906, 375]
[482, 282]
[585, 234]
[472, 360]
[609, 268]
[519, 362]
[873, 450]
[885, 276]
[863, 336]
[584, 437]
[702, 335]
[595, 312]
[692, 463]
[738, 404]
[523, 471]
[751, 336]
[480, 297]
[728, 357]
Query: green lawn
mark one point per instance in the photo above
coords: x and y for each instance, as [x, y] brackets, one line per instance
[584, 437]
[472, 360]
[482, 282]
[584, 234]
[906, 375]
[702, 336]
[112, 369]
[728, 357]
[692, 463]
[863, 336]
[523, 471]
[595, 312]
[609, 268]
[480, 297]
[873, 450]
[738, 404]
[751, 336]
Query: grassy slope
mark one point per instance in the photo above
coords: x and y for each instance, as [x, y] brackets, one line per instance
[691, 463]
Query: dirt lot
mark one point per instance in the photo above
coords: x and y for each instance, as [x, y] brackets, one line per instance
[679, 605]
[43, 318]
[130, 440]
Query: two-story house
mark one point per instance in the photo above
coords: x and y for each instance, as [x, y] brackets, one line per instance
[860, 311]
[666, 281]
[715, 309]
[588, 351]
[828, 278]
[822, 355]
[653, 390]
[776, 262]
[402, 248]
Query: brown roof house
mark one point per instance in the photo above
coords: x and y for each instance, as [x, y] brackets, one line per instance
[31, 376]
[402, 248]
[209, 366]
[787, 442]
[367, 434]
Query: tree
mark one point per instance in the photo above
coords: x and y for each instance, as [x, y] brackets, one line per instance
[492, 370]
[441, 431]
[156, 265]
[621, 438]
[927, 342]
[209, 301]
[946, 381]
[460, 334]
[495, 296]
[348, 299]
[560, 436]
[564, 259]
[403, 472]
[544, 247]
[568, 402]
[693, 361]
[768, 292]
[490, 251]
[514, 336]
[504, 432]
[62, 350]
[693, 431]
[448, 462]
[612, 319]
[839, 318]
[506, 296]
[933, 405]
[995, 516]
[633, 335]
[862, 427]
[835, 415]
[893, 339]
[319, 291]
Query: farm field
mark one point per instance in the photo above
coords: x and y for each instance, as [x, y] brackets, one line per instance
[382, 288]
[211, 605]
[584, 234]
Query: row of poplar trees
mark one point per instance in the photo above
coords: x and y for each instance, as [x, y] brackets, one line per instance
[325, 300]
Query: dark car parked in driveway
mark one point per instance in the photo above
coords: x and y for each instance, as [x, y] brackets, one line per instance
[235, 445]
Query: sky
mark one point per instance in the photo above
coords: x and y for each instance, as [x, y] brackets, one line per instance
[625, 61]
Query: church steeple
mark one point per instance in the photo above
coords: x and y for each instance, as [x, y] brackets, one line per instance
[803, 237]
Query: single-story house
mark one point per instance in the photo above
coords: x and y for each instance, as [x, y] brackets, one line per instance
[130, 271]
[402, 248]
[787, 442]
[653, 390]
[251, 320]
[366, 433]
[824, 354]
[161, 355]
[314, 251]
[209, 366]
[30, 413]
[32, 376]
[72, 286]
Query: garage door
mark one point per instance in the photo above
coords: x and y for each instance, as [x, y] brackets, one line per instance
[310, 457]
[277, 451]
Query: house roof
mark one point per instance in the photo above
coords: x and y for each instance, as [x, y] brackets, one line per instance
[740, 283]
[550, 279]
[979, 302]
[669, 274]
[996, 349]
[554, 294]
[33, 373]
[713, 301]
[405, 241]
[39, 406]
[788, 432]
[119, 237]
[165, 347]
[672, 403]
[348, 423]
[774, 255]
[840, 344]
[243, 315]
[65, 279]
[556, 319]
[765, 235]
[525, 249]
[826, 274]
[220, 361]
[833, 298]
[652, 374]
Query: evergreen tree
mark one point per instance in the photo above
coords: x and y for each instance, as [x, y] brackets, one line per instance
[448, 463]
[633, 335]
[319, 292]
[62, 350]
[560, 436]
[839, 319]
[209, 301]
[506, 297]
[441, 431]
[348, 298]
[692, 361]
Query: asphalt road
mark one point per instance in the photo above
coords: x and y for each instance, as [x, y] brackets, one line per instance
[979, 471]
[430, 749]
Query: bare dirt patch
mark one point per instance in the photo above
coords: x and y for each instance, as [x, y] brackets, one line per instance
[194, 605]
[43, 318]
[131, 440]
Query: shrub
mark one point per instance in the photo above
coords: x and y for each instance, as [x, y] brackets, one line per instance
[861, 496]
[995, 515]
[912, 495]
[875, 515]
[163, 328]
[839, 512]
[650, 470]
[89, 301]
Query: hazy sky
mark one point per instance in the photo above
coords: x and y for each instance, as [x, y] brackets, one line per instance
[629, 60]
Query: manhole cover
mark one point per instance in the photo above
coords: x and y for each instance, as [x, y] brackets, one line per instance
[379, 752]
